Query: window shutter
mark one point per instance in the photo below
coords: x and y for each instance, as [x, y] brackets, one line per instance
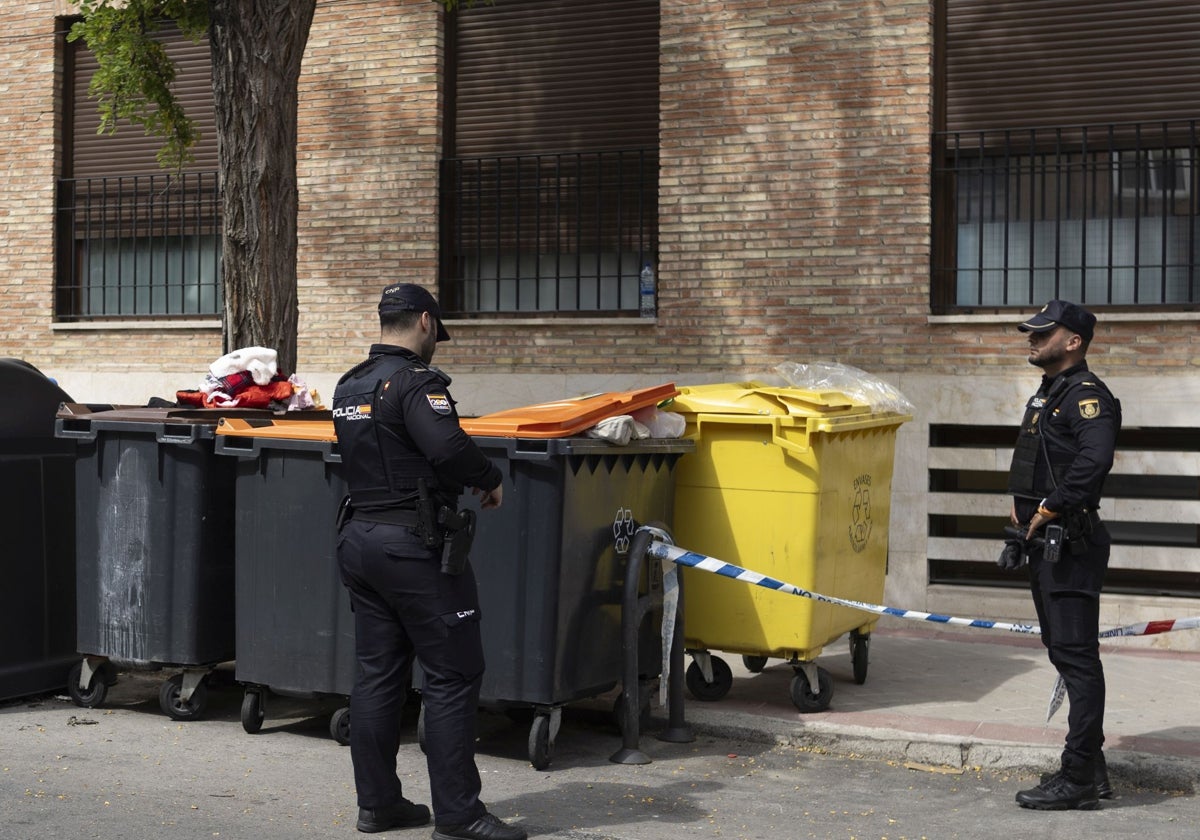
[129, 151]
[1030, 63]
[538, 76]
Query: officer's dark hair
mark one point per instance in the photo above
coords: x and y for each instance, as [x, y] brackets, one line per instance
[398, 320]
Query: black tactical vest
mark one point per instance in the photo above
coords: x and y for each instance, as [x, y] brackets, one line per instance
[381, 465]
[1039, 440]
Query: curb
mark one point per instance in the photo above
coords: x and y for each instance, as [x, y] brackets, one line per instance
[943, 753]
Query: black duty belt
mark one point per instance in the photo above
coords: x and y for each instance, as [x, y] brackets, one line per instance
[397, 516]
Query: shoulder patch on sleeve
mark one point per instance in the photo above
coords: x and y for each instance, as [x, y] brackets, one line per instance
[1089, 408]
[440, 403]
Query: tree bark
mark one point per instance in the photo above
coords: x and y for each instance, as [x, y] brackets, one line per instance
[257, 47]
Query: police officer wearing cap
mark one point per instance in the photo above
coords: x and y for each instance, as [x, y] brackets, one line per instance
[1063, 453]
[402, 556]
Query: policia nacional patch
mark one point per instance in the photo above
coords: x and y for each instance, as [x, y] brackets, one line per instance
[1089, 409]
[439, 403]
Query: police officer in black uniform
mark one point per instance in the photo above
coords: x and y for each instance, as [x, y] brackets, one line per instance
[1063, 453]
[402, 555]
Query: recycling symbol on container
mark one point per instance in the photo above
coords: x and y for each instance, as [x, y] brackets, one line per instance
[860, 513]
[623, 527]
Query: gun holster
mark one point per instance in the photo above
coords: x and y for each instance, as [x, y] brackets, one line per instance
[458, 528]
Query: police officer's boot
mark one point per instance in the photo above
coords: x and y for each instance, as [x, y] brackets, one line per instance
[1060, 793]
[1104, 788]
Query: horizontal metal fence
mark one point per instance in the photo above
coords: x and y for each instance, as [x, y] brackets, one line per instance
[1105, 215]
[566, 232]
[139, 246]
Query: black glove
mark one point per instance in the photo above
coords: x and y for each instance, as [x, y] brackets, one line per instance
[1016, 552]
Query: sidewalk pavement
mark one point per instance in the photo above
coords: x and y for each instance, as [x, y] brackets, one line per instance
[961, 699]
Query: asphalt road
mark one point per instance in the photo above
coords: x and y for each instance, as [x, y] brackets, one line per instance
[128, 771]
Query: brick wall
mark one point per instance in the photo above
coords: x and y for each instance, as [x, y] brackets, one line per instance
[28, 119]
[794, 218]
[370, 140]
[795, 180]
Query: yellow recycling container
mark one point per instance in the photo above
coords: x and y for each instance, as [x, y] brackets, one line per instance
[795, 485]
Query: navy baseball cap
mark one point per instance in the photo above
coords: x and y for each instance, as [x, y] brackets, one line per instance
[412, 298]
[1062, 313]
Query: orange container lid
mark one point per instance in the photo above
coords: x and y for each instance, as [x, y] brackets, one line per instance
[564, 418]
[318, 430]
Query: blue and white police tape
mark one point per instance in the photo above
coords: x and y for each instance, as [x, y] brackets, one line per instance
[1145, 628]
[673, 554]
[667, 553]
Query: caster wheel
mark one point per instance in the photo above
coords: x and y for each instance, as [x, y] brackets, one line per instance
[339, 725]
[175, 708]
[715, 690]
[95, 693]
[754, 664]
[803, 696]
[253, 712]
[860, 644]
[540, 748]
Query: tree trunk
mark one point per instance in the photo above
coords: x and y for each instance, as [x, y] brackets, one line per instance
[257, 47]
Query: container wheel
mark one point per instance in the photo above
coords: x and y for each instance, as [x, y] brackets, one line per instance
[860, 644]
[709, 691]
[754, 664]
[95, 693]
[175, 708]
[540, 748]
[339, 725]
[253, 711]
[803, 696]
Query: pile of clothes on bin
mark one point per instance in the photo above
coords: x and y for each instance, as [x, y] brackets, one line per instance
[249, 378]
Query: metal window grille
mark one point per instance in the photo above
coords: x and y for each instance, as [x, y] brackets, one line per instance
[564, 233]
[1105, 215]
[139, 246]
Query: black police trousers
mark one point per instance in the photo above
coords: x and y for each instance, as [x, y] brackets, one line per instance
[1066, 595]
[404, 606]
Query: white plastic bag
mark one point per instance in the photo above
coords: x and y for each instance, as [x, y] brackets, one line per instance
[856, 384]
[661, 424]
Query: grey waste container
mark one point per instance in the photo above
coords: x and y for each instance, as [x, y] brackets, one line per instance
[37, 518]
[295, 630]
[154, 549]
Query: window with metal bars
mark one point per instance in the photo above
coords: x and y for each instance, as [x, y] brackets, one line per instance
[549, 188]
[1096, 214]
[136, 241]
[1065, 153]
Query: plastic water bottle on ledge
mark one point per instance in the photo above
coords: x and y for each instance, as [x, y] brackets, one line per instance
[646, 292]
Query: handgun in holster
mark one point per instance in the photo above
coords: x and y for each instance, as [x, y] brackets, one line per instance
[459, 530]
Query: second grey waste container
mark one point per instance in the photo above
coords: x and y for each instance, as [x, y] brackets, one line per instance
[295, 630]
[154, 549]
